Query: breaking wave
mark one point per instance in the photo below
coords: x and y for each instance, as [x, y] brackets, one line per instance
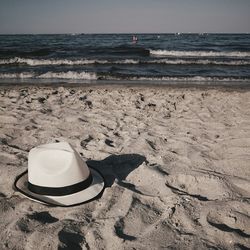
[69, 75]
[201, 62]
[48, 62]
[176, 53]
[23, 75]
[191, 79]
[177, 79]
[41, 62]
[51, 75]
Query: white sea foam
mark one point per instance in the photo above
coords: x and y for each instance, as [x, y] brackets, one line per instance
[196, 79]
[39, 62]
[127, 61]
[202, 61]
[69, 75]
[189, 79]
[23, 75]
[50, 75]
[174, 53]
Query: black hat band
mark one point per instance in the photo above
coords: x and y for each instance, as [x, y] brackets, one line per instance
[61, 191]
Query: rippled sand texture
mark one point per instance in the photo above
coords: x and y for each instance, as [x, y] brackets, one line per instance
[176, 162]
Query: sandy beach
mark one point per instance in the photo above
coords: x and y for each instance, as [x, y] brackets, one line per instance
[176, 162]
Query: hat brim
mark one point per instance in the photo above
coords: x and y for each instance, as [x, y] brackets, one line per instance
[97, 187]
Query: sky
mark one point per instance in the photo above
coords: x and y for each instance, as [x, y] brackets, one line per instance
[124, 16]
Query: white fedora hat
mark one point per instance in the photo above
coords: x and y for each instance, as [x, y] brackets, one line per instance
[57, 175]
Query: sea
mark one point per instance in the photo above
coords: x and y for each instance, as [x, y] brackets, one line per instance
[201, 59]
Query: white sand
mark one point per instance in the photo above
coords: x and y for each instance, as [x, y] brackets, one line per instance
[176, 161]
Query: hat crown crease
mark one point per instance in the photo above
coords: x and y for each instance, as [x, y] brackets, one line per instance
[56, 166]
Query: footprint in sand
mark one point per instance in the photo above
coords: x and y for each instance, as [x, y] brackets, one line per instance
[139, 217]
[229, 220]
[240, 186]
[202, 187]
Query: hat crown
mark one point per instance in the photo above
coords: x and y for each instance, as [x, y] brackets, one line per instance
[56, 165]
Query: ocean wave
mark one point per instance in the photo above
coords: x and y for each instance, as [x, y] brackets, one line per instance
[48, 62]
[43, 62]
[174, 78]
[126, 61]
[69, 75]
[176, 53]
[200, 62]
[51, 75]
[189, 79]
[23, 75]
[40, 62]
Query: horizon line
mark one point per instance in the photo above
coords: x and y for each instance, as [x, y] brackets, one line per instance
[122, 33]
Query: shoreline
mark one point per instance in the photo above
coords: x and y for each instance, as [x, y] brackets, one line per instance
[234, 86]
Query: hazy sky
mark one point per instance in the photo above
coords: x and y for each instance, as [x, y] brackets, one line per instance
[124, 16]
